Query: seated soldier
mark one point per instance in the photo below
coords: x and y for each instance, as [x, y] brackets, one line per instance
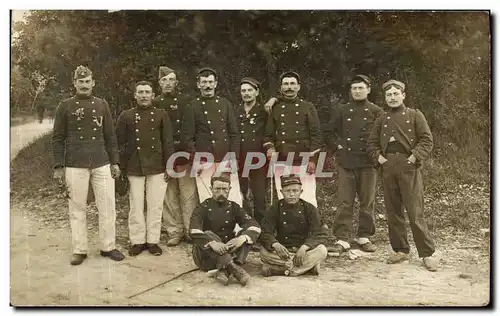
[299, 243]
[211, 229]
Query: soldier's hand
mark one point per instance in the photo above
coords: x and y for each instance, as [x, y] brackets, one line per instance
[269, 104]
[219, 247]
[59, 175]
[281, 251]
[298, 259]
[236, 242]
[381, 159]
[311, 168]
[115, 171]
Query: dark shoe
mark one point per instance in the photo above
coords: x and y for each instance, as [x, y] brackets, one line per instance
[368, 247]
[114, 254]
[398, 257]
[269, 270]
[77, 258]
[222, 276]
[172, 242]
[255, 247]
[136, 249]
[335, 250]
[188, 239]
[154, 249]
[239, 273]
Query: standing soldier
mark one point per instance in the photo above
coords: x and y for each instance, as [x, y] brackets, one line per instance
[85, 149]
[347, 134]
[400, 141]
[210, 126]
[215, 245]
[252, 118]
[181, 197]
[145, 141]
[293, 127]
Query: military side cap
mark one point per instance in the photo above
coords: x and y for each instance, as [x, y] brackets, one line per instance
[164, 71]
[290, 74]
[395, 83]
[289, 180]
[224, 177]
[251, 81]
[209, 69]
[362, 78]
[82, 72]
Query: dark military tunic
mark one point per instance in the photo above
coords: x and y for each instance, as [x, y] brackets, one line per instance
[175, 105]
[221, 220]
[293, 126]
[84, 135]
[350, 125]
[252, 127]
[294, 225]
[409, 129]
[145, 140]
[210, 126]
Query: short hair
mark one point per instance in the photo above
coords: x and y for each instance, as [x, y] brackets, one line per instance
[143, 83]
[205, 72]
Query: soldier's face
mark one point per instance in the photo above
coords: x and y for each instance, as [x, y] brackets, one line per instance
[290, 87]
[291, 193]
[207, 85]
[394, 97]
[248, 93]
[144, 95]
[360, 91]
[84, 86]
[220, 190]
[168, 83]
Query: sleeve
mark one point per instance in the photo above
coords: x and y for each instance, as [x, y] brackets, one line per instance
[121, 138]
[59, 135]
[249, 225]
[270, 131]
[188, 129]
[332, 128]
[233, 131]
[268, 226]
[196, 228]
[110, 136]
[315, 135]
[166, 136]
[373, 142]
[317, 234]
[425, 142]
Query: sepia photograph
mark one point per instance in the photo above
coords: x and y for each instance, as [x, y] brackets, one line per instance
[254, 158]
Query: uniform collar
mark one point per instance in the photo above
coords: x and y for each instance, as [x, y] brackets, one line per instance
[295, 206]
[83, 97]
[400, 108]
[172, 95]
[140, 108]
[360, 103]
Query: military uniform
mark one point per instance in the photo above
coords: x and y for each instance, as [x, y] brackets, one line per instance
[213, 221]
[145, 141]
[293, 225]
[293, 126]
[210, 126]
[252, 127]
[349, 127]
[181, 197]
[84, 143]
[396, 135]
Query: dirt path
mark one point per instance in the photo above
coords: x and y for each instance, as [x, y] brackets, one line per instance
[22, 135]
[41, 275]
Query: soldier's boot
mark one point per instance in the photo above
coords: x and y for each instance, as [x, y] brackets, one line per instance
[316, 269]
[270, 270]
[239, 273]
[222, 276]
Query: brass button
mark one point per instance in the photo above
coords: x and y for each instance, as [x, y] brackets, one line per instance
[351, 110]
[242, 132]
[136, 129]
[205, 111]
[349, 119]
[213, 142]
[153, 147]
[93, 111]
[138, 147]
[93, 137]
[79, 128]
[81, 137]
[152, 120]
[95, 129]
[282, 115]
[203, 102]
[137, 139]
[178, 121]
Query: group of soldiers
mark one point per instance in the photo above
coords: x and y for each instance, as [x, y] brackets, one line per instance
[210, 209]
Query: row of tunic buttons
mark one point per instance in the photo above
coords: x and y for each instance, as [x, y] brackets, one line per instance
[94, 129]
[91, 102]
[407, 121]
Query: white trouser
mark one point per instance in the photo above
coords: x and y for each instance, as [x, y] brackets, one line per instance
[203, 185]
[308, 182]
[103, 185]
[146, 230]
